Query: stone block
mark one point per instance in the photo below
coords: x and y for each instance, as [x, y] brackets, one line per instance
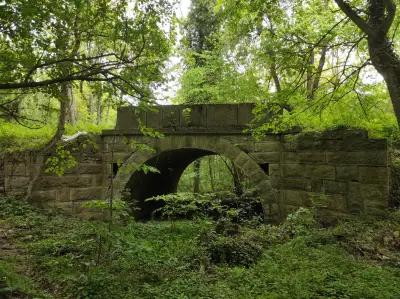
[276, 182]
[295, 183]
[268, 146]
[334, 187]
[116, 157]
[374, 195]
[247, 147]
[356, 145]
[378, 158]
[153, 119]
[15, 169]
[91, 193]
[170, 117]
[297, 198]
[336, 202]
[347, 173]
[271, 157]
[245, 114]
[19, 182]
[44, 196]
[374, 175]
[293, 170]
[317, 185]
[344, 134]
[355, 202]
[53, 182]
[223, 115]
[194, 116]
[274, 170]
[311, 157]
[63, 194]
[320, 171]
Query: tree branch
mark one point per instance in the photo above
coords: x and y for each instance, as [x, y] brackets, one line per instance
[362, 24]
[391, 12]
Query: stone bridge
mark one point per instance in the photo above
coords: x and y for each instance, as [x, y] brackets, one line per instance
[340, 171]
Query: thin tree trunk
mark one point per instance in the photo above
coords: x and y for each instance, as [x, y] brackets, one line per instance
[275, 77]
[317, 76]
[210, 172]
[196, 182]
[309, 74]
[71, 115]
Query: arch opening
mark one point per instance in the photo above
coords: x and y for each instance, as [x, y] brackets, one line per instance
[170, 164]
[170, 178]
[173, 155]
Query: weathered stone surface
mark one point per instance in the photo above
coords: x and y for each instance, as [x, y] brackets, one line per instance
[91, 168]
[41, 196]
[295, 183]
[271, 157]
[17, 182]
[293, 170]
[347, 173]
[334, 187]
[16, 169]
[320, 171]
[310, 171]
[268, 146]
[52, 182]
[312, 157]
[374, 194]
[222, 115]
[91, 193]
[247, 147]
[63, 194]
[378, 158]
[274, 170]
[355, 202]
[373, 175]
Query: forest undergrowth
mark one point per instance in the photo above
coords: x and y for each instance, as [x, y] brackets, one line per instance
[51, 255]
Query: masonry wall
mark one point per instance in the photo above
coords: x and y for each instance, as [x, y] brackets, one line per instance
[341, 171]
[67, 192]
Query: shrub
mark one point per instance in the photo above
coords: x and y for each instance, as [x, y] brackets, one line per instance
[215, 206]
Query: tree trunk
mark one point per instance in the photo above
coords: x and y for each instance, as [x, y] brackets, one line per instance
[387, 63]
[309, 74]
[237, 182]
[317, 75]
[375, 26]
[71, 113]
[196, 182]
[99, 111]
[210, 172]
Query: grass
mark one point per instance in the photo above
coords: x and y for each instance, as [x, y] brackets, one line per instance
[74, 258]
[15, 137]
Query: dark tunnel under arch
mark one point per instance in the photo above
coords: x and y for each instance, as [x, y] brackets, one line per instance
[171, 164]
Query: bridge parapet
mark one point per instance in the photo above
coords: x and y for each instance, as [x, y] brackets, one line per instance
[201, 118]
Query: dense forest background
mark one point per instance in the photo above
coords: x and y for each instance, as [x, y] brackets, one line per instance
[68, 65]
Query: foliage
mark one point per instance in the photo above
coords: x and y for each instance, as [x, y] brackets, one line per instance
[61, 161]
[69, 257]
[209, 205]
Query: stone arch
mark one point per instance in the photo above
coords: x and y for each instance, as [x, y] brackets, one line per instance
[189, 148]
